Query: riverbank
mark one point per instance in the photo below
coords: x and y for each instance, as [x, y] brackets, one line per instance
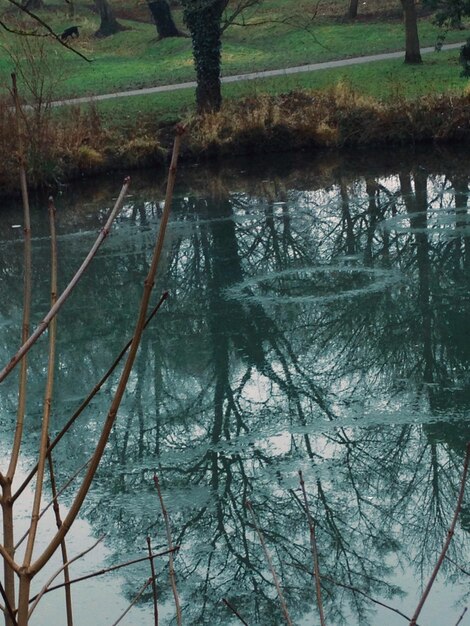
[80, 142]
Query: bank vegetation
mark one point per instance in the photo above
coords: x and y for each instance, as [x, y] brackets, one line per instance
[74, 141]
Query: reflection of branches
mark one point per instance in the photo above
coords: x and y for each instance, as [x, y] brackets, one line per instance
[450, 534]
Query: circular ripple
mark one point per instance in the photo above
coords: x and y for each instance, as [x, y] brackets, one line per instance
[314, 284]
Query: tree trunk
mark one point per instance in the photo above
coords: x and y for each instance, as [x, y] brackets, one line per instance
[161, 13]
[204, 23]
[352, 11]
[412, 52]
[109, 24]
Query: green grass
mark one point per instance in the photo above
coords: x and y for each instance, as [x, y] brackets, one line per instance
[385, 80]
[134, 59]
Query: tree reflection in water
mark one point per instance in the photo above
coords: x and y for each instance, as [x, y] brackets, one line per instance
[317, 321]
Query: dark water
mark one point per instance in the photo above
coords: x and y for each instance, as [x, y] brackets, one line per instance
[318, 320]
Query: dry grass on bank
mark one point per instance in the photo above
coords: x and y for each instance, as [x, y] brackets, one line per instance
[72, 143]
[77, 142]
[332, 118]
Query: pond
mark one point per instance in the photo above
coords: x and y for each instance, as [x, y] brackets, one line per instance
[317, 320]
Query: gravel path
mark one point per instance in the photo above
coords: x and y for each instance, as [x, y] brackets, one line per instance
[254, 75]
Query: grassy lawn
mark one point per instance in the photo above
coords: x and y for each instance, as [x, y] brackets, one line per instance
[385, 80]
[134, 59]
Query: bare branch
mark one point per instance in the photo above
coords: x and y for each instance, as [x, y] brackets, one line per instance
[44, 590]
[48, 28]
[86, 402]
[270, 564]
[27, 345]
[313, 546]
[170, 545]
[461, 616]
[134, 601]
[154, 583]
[8, 608]
[450, 534]
[234, 610]
[108, 569]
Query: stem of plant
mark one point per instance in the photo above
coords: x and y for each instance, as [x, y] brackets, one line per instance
[87, 400]
[313, 546]
[450, 534]
[170, 558]
[154, 583]
[270, 564]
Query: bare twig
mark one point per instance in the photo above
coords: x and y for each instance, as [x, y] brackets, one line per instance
[58, 519]
[8, 608]
[45, 25]
[7, 503]
[459, 567]
[107, 569]
[134, 601]
[34, 601]
[121, 387]
[47, 398]
[366, 595]
[234, 610]
[154, 583]
[313, 546]
[450, 534]
[461, 616]
[87, 400]
[47, 405]
[51, 503]
[270, 564]
[22, 33]
[68, 290]
[170, 558]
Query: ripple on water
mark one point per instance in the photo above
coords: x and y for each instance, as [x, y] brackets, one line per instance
[432, 222]
[314, 284]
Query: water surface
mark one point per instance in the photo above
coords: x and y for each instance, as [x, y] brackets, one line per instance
[317, 321]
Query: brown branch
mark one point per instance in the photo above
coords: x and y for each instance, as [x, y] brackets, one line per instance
[51, 503]
[106, 570]
[313, 546]
[234, 610]
[270, 564]
[121, 387]
[450, 534]
[27, 345]
[26, 289]
[22, 33]
[8, 608]
[154, 583]
[170, 558]
[58, 519]
[87, 400]
[48, 28]
[7, 508]
[52, 330]
[35, 601]
[47, 397]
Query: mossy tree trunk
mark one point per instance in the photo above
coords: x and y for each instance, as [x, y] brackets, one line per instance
[109, 24]
[161, 13]
[203, 19]
[412, 51]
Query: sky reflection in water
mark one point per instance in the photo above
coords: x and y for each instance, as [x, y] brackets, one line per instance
[318, 320]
